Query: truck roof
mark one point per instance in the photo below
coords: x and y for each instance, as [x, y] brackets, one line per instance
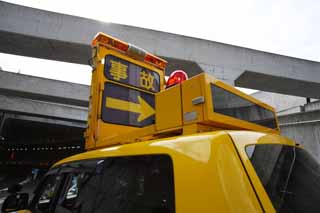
[195, 146]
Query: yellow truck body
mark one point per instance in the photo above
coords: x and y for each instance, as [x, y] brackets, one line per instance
[198, 146]
[212, 172]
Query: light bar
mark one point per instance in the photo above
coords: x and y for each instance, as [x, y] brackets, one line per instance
[136, 52]
[109, 41]
[158, 62]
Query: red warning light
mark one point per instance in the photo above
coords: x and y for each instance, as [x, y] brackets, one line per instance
[176, 77]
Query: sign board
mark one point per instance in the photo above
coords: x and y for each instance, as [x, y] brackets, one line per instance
[125, 106]
[122, 71]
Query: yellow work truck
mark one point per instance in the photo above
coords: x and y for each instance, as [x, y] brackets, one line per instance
[182, 145]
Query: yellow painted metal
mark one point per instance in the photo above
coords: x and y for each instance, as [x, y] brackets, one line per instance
[91, 131]
[212, 172]
[199, 128]
[186, 108]
[245, 138]
[208, 174]
[192, 89]
[168, 109]
[198, 111]
[200, 87]
[98, 132]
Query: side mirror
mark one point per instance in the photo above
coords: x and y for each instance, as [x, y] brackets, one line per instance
[15, 202]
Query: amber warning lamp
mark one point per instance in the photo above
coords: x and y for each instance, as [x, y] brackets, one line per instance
[129, 49]
[176, 77]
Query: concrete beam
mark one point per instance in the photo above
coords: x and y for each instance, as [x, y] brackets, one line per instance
[277, 84]
[304, 128]
[312, 106]
[42, 109]
[45, 119]
[37, 33]
[31, 87]
[286, 120]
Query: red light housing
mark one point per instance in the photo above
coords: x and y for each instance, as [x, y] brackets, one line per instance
[176, 77]
[129, 49]
[158, 62]
[109, 41]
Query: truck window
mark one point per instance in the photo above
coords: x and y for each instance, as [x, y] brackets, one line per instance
[290, 175]
[46, 193]
[227, 103]
[119, 184]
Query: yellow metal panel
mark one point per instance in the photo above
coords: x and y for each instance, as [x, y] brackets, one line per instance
[232, 180]
[199, 128]
[198, 107]
[168, 109]
[192, 90]
[94, 101]
[208, 175]
[106, 131]
[245, 138]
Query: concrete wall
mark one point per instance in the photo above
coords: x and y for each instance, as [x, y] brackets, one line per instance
[280, 102]
[312, 106]
[304, 128]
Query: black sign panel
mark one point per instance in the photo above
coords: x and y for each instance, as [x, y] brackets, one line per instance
[117, 69]
[126, 106]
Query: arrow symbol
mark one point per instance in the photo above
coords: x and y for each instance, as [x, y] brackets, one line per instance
[142, 108]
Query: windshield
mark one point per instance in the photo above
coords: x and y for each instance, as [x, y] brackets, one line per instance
[117, 184]
[290, 175]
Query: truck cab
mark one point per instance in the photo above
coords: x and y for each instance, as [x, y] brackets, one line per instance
[194, 145]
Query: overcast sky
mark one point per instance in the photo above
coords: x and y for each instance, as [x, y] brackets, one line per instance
[287, 27]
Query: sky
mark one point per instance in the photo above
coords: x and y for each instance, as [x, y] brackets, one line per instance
[287, 27]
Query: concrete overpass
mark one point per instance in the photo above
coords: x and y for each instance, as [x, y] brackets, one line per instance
[23, 94]
[39, 117]
[42, 34]
[43, 98]
[38, 106]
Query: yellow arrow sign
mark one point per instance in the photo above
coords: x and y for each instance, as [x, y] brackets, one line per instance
[143, 108]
